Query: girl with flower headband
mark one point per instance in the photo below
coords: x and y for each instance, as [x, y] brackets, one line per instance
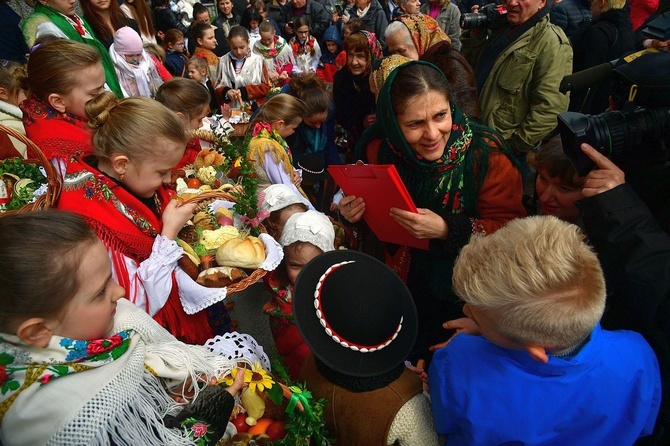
[119, 191]
[354, 102]
[306, 50]
[304, 236]
[83, 365]
[276, 53]
[276, 120]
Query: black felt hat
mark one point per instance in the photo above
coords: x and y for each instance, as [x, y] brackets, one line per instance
[354, 313]
[313, 167]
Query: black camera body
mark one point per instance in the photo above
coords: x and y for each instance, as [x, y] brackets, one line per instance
[642, 92]
[488, 16]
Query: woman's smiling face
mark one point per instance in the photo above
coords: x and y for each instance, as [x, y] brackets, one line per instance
[425, 123]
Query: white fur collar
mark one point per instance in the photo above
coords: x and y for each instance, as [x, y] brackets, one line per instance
[11, 109]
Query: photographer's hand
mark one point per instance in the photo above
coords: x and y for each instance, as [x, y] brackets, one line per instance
[607, 176]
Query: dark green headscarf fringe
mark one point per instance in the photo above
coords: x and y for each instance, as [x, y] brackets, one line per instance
[430, 182]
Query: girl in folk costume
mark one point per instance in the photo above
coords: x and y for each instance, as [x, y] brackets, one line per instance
[59, 18]
[276, 120]
[276, 53]
[11, 95]
[136, 70]
[242, 75]
[81, 364]
[304, 236]
[190, 101]
[120, 193]
[203, 35]
[61, 77]
[306, 50]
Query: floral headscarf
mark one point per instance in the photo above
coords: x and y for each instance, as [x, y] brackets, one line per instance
[386, 66]
[425, 31]
[374, 47]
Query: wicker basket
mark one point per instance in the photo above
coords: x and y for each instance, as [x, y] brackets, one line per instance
[206, 198]
[50, 198]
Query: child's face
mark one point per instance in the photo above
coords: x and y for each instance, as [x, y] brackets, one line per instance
[315, 120]
[177, 46]
[133, 59]
[65, 7]
[285, 129]
[346, 32]
[268, 38]
[225, 6]
[357, 62]
[91, 82]
[297, 258]
[90, 313]
[196, 74]
[143, 177]
[303, 32]
[208, 41]
[239, 46]
[556, 197]
[332, 47]
[196, 121]
[254, 25]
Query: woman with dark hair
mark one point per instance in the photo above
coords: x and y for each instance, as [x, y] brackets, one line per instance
[139, 11]
[354, 102]
[420, 37]
[106, 17]
[459, 174]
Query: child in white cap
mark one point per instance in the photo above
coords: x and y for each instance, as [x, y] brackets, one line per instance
[281, 201]
[305, 236]
[135, 68]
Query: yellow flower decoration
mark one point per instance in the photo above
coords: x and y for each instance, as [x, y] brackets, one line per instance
[229, 379]
[260, 380]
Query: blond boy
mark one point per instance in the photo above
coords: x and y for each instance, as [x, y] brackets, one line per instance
[542, 371]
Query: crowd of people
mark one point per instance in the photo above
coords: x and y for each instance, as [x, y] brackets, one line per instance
[538, 314]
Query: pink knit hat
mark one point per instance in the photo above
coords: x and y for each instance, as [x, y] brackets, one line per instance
[127, 41]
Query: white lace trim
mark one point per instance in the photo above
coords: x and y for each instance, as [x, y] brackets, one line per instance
[233, 346]
[273, 253]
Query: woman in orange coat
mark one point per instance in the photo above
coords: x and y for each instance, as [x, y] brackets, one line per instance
[459, 174]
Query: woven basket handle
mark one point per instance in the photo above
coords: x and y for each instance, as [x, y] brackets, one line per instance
[53, 177]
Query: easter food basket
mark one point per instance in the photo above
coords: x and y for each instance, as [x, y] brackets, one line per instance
[40, 183]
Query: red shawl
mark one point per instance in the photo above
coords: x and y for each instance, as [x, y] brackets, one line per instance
[58, 135]
[128, 228]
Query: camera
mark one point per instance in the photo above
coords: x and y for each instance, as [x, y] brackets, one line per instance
[489, 16]
[641, 91]
[613, 134]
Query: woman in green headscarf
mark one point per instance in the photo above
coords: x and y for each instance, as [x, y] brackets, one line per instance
[459, 174]
[59, 18]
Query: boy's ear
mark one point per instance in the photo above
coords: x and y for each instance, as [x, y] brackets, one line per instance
[537, 352]
[56, 102]
[120, 164]
[203, 72]
[35, 331]
[4, 94]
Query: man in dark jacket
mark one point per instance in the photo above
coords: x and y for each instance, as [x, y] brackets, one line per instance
[570, 15]
[319, 18]
[373, 16]
[635, 255]
[608, 37]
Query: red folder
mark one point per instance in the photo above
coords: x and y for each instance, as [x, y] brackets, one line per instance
[382, 189]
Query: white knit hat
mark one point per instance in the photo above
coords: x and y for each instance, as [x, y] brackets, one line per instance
[312, 227]
[279, 196]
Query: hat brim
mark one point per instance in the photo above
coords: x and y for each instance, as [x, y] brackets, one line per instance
[339, 358]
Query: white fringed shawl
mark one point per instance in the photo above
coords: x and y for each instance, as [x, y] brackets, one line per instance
[121, 402]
